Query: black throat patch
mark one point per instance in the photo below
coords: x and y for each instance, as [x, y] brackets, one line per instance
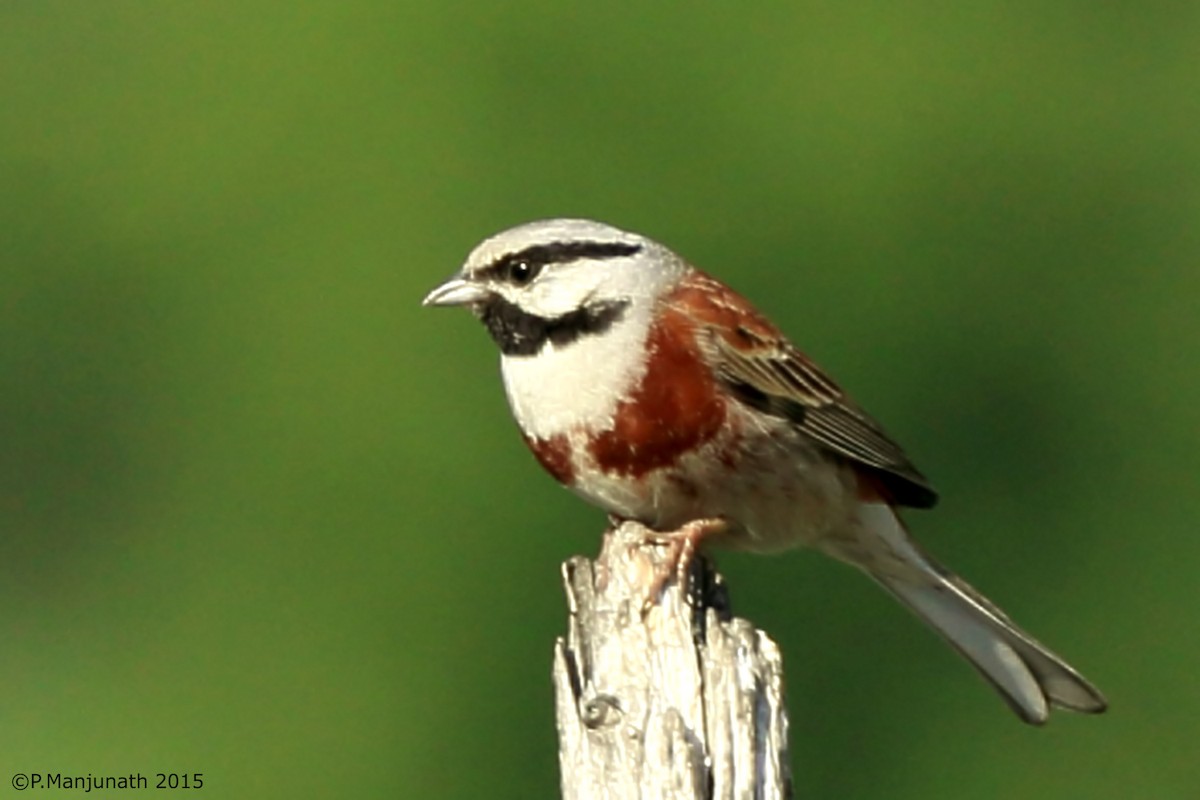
[519, 333]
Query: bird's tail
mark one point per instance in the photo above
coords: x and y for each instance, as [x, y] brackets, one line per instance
[1027, 674]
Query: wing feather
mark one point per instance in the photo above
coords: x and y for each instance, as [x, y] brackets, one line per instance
[777, 378]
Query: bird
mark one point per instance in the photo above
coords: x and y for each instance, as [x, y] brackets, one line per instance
[659, 394]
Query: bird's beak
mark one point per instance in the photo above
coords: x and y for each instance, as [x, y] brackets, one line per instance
[455, 292]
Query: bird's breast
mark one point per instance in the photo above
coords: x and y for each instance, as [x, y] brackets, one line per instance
[664, 443]
[674, 408]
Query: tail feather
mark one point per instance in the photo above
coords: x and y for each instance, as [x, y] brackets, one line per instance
[1026, 673]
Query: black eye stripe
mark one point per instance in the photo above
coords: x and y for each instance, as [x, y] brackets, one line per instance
[540, 255]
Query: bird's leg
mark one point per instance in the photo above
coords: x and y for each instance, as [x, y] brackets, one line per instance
[682, 545]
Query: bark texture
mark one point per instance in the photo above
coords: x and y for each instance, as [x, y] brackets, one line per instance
[680, 701]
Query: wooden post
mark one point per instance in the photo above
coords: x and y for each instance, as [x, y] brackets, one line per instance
[682, 702]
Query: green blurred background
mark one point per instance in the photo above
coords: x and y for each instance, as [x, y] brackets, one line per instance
[265, 518]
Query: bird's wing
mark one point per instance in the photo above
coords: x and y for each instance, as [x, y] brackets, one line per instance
[769, 374]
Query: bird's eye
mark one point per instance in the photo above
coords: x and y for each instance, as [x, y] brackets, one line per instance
[521, 272]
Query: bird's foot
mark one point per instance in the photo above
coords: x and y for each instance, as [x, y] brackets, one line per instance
[682, 546]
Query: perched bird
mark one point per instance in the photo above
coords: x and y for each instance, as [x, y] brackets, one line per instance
[660, 395]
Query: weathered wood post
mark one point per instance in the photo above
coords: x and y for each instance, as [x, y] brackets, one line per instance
[682, 702]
